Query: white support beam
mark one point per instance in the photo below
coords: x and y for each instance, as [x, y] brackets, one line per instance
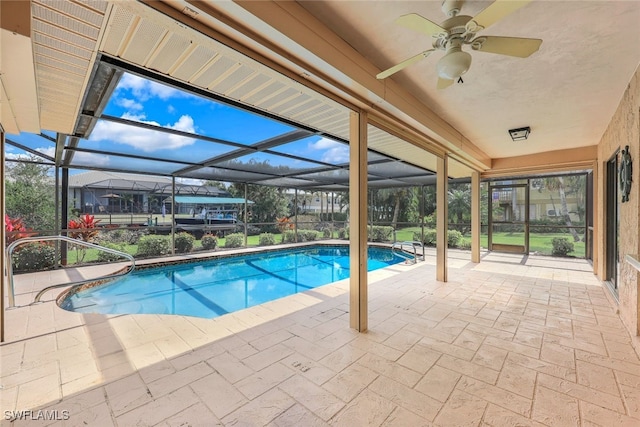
[442, 213]
[358, 304]
[475, 217]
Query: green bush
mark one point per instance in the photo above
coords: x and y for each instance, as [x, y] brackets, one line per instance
[308, 235]
[380, 233]
[343, 233]
[266, 239]
[561, 246]
[326, 233]
[153, 245]
[209, 241]
[34, 257]
[184, 242]
[429, 239]
[453, 238]
[109, 257]
[235, 240]
[289, 236]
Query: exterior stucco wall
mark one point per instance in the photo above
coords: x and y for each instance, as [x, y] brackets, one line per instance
[624, 129]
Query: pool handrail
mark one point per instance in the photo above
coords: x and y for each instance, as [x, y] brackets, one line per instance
[404, 253]
[19, 242]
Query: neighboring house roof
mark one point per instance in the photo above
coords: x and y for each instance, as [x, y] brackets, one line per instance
[204, 200]
[130, 181]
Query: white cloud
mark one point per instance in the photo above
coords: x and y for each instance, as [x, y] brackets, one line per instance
[129, 104]
[334, 152]
[48, 151]
[90, 159]
[144, 89]
[190, 181]
[144, 139]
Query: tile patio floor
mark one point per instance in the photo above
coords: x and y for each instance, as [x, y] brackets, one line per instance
[510, 341]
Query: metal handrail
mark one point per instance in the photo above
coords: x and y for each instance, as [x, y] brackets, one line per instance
[19, 242]
[404, 252]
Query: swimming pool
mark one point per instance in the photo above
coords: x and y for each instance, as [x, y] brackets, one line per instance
[211, 288]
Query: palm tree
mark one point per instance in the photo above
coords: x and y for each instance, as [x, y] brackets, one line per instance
[459, 204]
[557, 183]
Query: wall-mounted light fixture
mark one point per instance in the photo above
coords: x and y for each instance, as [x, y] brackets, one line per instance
[520, 134]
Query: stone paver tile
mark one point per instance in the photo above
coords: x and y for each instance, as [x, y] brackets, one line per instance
[517, 379]
[21, 376]
[267, 357]
[81, 384]
[348, 383]
[144, 355]
[306, 348]
[229, 367]
[196, 356]
[496, 416]
[127, 394]
[297, 416]
[577, 344]
[490, 356]
[528, 337]
[157, 371]
[318, 400]
[179, 379]
[410, 399]
[604, 417]
[438, 383]
[616, 365]
[80, 403]
[259, 382]
[402, 340]
[368, 409]
[470, 340]
[558, 354]
[401, 417]
[266, 341]
[555, 409]
[393, 370]
[308, 368]
[489, 331]
[197, 415]
[621, 351]
[518, 404]
[159, 409]
[512, 347]
[368, 346]
[542, 366]
[630, 387]
[243, 351]
[446, 348]
[472, 370]
[420, 358]
[597, 377]
[218, 394]
[260, 410]
[581, 392]
[343, 357]
[461, 410]
[39, 392]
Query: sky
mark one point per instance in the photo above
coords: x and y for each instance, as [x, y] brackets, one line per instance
[145, 101]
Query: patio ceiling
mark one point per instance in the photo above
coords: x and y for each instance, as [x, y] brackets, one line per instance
[130, 38]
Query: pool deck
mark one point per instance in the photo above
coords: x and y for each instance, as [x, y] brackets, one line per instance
[510, 341]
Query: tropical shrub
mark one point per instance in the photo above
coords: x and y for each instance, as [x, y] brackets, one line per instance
[289, 236]
[267, 239]
[15, 229]
[343, 233]
[184, 242]
[453, 238]
[109, 257]
[308, 235]
[380, 233]
[209, 241]
[561, 246]
[235, 240]
[34, 257]
[154, 245]
[84, 228]
[326, 233]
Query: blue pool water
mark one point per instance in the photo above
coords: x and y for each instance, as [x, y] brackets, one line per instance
[215, 287]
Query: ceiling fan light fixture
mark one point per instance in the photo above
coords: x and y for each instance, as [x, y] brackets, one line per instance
[454, 64]
[520, 134]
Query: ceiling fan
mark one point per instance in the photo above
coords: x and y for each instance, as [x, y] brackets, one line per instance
[459, 30]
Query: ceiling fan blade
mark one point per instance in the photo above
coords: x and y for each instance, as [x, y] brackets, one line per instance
[493, 13]
[444, 83]
[403, 64]
[511, 46]
[415, 22]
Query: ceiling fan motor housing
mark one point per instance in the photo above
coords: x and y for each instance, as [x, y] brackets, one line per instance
[451, 7]
[455, 63]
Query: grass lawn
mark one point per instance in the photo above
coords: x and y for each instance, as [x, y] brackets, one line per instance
[540, 243]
